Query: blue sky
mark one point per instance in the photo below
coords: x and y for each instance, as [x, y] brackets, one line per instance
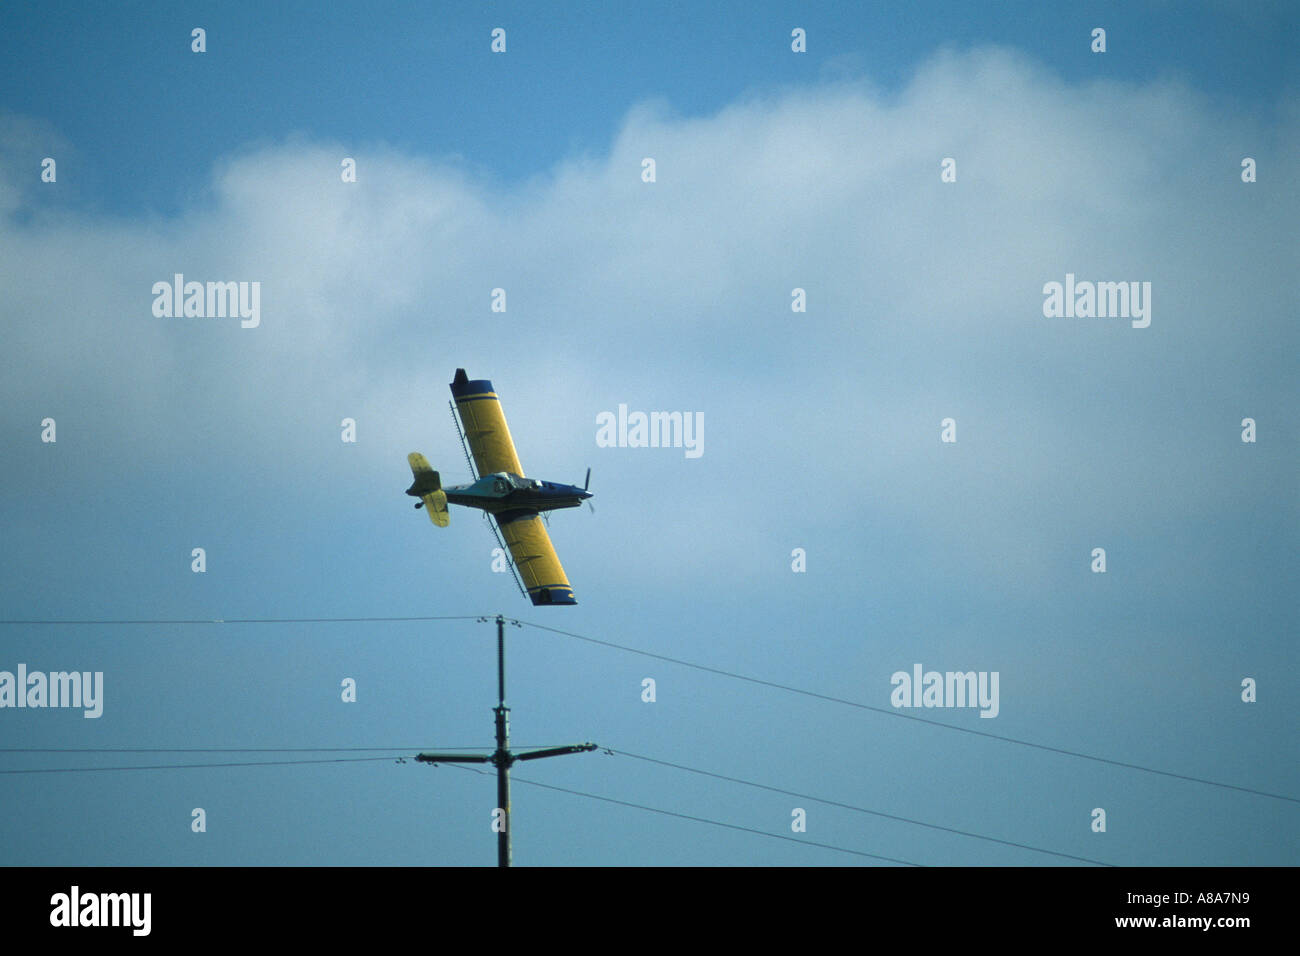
[774, 171]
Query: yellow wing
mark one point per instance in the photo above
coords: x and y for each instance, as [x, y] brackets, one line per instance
[485, 426]
[536, 560]
[435, 503]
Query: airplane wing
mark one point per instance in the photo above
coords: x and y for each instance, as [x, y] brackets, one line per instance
[485, 427]
[535, 557]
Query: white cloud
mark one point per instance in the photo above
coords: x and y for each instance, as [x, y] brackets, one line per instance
[924, 298]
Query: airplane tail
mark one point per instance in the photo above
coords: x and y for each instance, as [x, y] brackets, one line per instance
[428, 488]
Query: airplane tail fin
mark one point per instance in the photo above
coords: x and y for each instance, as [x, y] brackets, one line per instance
[427, 486]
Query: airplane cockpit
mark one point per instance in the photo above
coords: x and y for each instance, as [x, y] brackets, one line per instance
[503, 483]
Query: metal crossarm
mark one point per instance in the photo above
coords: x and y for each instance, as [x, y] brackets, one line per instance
[555, 751]
[453, 758]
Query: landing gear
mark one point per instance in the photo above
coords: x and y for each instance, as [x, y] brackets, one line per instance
[419, 504]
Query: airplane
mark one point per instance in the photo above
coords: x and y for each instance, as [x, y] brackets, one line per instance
[500, 490]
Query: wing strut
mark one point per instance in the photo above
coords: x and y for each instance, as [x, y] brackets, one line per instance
[463, 447]
[510, 560]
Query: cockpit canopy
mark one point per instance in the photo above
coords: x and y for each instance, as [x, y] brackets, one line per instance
[503, 483]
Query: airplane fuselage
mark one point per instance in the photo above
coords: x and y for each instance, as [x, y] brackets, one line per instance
[501, 492]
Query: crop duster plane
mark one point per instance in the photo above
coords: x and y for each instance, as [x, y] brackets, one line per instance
[501, 491]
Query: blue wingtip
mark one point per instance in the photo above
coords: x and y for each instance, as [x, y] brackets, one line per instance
[461, 385]
[552, 595]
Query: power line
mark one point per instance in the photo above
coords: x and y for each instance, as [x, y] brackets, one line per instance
[264, 620]
[227, 750]
[700, 667]
[716, 823]
[857, 809]
[407, 751]
[923, 720]
[592, 796]
[195, 766]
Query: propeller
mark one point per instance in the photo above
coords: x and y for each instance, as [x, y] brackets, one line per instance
[585, 485]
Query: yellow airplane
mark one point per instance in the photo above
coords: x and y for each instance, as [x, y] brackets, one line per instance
[515, 502]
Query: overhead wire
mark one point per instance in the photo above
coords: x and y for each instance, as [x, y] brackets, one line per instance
[698, 819]
[233, 750]
[403, 753]
[924, 720]
[200, 766]
[257, 620]
[856, 809]
[695, 666]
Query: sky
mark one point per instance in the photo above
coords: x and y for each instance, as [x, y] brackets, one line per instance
[922, 173]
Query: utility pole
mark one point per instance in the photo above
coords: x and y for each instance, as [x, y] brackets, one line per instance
[502, 758]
